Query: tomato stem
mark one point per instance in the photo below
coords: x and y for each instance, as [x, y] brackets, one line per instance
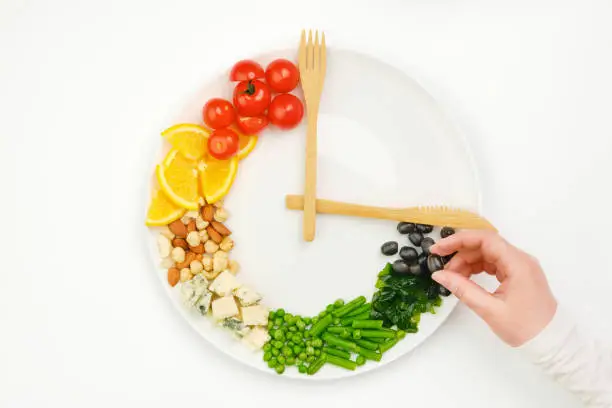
[250, 88]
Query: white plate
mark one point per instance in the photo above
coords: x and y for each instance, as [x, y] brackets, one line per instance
[383, 140]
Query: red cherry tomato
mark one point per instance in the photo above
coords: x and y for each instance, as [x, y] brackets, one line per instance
[218, 113]
[286, 111]
[251, 98]
[223, 144]
[282, 75]
[251, 125]
[246, 70]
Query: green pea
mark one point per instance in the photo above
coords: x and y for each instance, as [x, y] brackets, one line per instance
[288, 317]
[315, 320]
[280, 369]
[278, 334]
[277, 344]
[307, 320]
[300, 325]
[267, 347]
[309, 343]
[310, 350]
[307, 334]
[272, 363]
[275, 352]
[267, 356]
[280, 312]
[290, 361]
[339, 303]
[297, 338]
[278, 321]
[270, 325]
[317, 352]
[360, 360]
[272, 315]
[310, 359]
[297, 350]
[287, 352]
[302, 369]
[317, 343]
[322, 314]
[293, 329]
[281, 359]
[302, 356]
[290, 344]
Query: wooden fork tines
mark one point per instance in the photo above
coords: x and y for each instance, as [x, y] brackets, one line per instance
[312, 62]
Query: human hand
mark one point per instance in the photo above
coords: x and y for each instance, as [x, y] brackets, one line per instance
[521, 306]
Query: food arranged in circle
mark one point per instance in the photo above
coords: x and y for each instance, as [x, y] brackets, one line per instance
[195, 243]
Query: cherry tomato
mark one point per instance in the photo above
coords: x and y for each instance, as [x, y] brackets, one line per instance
[218, 113]
[246, 70]
[285, 111]
[282, 75]
[251, 125]
[223, 144]
[251, 98]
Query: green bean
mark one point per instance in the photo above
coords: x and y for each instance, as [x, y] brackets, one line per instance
[337, 321]
[341, 362]
[367, 324]
[329, 308]
[360, 310]
[357, 334]
[348, 321]
[316, 365]
[349, 307]
[362, 343]
[336, 352]
[386, 346]
[370, 355]
[310, 359]
[340, 343]
[360, 360]
[400, 334]
[377, 340]
[378, 333]
[307, 320]
[316, 329]
[339, 303]
[345, 335]
[337, 330]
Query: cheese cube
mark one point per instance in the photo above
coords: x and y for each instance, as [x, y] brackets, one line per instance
[257, 337]
[255, 315]
[247, 296]
[224, 284]
[224, 307]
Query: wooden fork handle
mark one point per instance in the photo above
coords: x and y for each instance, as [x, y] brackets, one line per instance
[297, 202]
[310, 186]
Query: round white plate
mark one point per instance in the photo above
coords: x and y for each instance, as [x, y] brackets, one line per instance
[383, 140]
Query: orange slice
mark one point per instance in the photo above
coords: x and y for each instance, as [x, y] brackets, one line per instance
[178, 179]
[217, 177]
[162, 211]
[189, 139]
[247, 144]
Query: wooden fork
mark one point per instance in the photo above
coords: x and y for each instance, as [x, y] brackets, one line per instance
[312, 63]
[432, 215]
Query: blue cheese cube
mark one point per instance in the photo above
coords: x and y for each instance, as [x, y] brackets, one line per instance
[236, 326]
[255, 315]
[195, 294]
[224, 307]
[257, 337]
[247, 296]
[224, 284]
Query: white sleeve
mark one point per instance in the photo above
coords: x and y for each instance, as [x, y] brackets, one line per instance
[575, 361]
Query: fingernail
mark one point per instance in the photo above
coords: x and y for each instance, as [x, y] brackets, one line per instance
[438, 277]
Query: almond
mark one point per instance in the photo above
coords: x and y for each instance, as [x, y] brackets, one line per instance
[214, 235]
[220, 228]
[180, 242]
[173, 276]
[189, 256]
[208, 212]
[191, 226]
[198, 249]
[178, 229]
[199, 257]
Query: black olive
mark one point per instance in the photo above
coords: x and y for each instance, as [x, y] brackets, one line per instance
[415, 269]
[443, 291]
[409, 254]
[424, 228]
[400, 267]
[415, 238]
[446, 232]
[434, 263]
[446, 259]
[423, 264]
[422, 257]
[432, 291]
[426, 243]
[389, 248]
[405, 227]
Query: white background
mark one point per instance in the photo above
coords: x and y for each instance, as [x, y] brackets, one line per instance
[84, 86]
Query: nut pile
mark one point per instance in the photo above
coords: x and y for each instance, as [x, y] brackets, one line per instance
[197, 243]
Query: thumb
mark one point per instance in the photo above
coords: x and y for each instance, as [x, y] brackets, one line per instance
[468, 292]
